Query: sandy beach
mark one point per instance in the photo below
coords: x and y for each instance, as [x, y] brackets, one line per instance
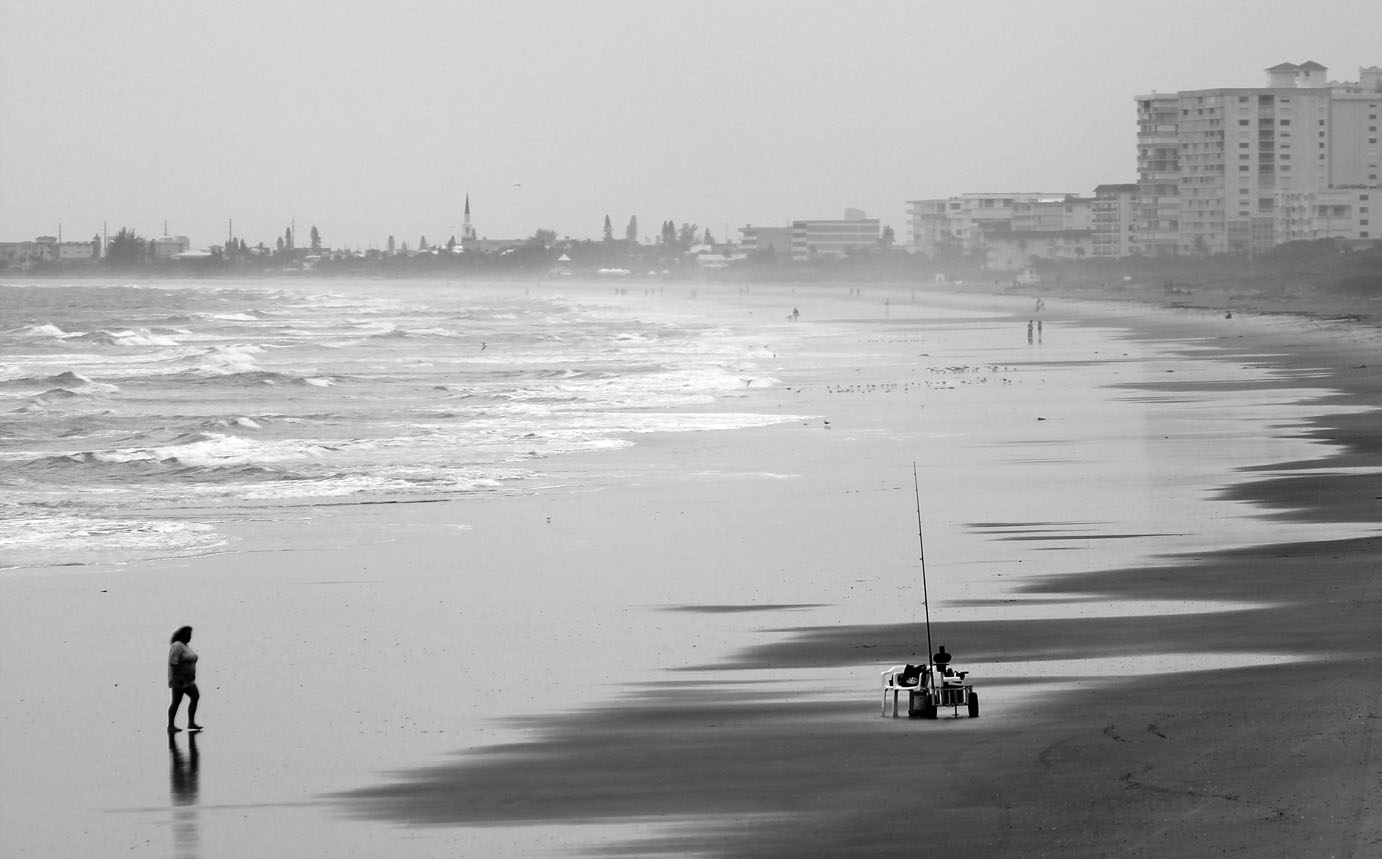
[1152, 534]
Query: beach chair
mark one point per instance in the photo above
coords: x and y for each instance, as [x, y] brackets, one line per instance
[892, 682]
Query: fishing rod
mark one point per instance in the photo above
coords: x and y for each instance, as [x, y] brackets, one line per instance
[921, 544]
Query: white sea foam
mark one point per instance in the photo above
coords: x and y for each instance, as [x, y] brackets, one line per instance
[66, 539]
[225, 360]
[142, 337]
[235, 317]
[44, 330]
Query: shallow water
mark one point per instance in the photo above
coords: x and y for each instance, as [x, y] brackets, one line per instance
[123, 408]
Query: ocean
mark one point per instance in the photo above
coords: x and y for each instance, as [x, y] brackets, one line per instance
[135, 417]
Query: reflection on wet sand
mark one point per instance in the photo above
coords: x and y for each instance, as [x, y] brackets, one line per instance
[183, 775]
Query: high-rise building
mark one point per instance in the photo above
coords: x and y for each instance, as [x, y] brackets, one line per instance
[1158, 172]
[1215, 164]
[1115, 217]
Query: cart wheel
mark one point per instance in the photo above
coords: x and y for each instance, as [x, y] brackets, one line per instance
[973, 705]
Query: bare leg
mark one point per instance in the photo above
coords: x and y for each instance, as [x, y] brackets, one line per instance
[193, 696]
[173, 709]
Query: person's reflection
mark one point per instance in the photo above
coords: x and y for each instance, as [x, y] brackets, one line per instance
[182, 788]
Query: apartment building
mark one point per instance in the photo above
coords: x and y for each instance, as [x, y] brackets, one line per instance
[761, 239]
[1158, 172]
[960, 223]
[1114, 220]
[45, 249]
[825, 239]
[1214, 164]
[1335, 213]
[1013, 250]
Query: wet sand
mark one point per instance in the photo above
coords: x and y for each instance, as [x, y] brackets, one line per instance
[1281, 759]
[346, 716]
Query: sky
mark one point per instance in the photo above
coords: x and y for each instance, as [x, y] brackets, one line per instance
[369, 119]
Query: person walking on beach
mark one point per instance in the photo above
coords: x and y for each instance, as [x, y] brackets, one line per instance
[182, 678]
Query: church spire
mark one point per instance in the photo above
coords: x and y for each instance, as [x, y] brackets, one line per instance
[467, 231]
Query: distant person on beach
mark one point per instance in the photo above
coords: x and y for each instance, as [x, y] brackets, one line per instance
[796, 314]
[182, 678]
[1029, 330]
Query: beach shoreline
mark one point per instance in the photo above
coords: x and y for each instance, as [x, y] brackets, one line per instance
[776, 749]
[1260, 760]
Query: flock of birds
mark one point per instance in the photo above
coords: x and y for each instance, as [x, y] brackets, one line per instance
[948, 378]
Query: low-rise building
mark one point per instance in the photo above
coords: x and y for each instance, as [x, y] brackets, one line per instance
[959, 224]
[79, 251]
[778, 240]
[167, 247]
[1013, 250]
[833, 239]
[1333, 213]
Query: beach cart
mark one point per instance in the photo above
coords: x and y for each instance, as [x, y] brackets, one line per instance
[929, 689]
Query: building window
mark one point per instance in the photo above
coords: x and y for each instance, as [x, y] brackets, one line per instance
[1284, 121]
[1245, 122]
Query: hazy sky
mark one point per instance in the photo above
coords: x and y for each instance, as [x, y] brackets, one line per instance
[376, 118]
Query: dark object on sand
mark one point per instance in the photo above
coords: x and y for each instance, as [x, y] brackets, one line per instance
[933, 685]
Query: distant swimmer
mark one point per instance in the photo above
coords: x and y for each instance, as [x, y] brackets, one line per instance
[182, 678]
[483, 346]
